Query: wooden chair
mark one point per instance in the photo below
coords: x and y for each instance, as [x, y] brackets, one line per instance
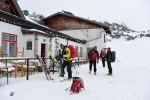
[24, 67]
[6, 69]
[31, 69]
[19, 63]
[20, 54]
[84, 58]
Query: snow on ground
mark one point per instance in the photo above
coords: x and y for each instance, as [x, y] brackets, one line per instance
[130, 80]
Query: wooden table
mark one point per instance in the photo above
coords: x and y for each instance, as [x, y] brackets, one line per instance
[27, 59]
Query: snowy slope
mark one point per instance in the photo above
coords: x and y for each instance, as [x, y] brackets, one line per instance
[130, 80]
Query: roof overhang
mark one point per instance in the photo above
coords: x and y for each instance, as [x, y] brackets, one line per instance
[105, 27]
[12, 19]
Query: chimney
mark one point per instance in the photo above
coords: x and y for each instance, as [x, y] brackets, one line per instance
[25, 12]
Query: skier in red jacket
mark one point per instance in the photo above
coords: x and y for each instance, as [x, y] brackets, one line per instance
[93, 57]
[102, 57]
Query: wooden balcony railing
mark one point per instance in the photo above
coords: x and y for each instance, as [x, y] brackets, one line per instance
[4, 6]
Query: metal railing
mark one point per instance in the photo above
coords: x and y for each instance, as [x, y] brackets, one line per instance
[20, 58]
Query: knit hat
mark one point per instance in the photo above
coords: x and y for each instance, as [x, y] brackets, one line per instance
[108, 48]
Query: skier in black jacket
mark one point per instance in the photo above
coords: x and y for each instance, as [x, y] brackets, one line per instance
[108, 58]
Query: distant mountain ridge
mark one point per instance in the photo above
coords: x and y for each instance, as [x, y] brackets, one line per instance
[117, 30]
[122, 31]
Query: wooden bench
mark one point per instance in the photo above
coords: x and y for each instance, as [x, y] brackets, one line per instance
[6, 69]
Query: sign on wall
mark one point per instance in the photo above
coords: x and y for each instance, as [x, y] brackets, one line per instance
[44, 40]
[29, 45]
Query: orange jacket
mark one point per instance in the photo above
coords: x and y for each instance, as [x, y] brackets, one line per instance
[102, 54]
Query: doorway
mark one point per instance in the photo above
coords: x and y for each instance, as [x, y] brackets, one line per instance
[43, 47]
[76, 48]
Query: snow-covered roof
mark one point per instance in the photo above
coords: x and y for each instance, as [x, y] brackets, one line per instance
[29, 19]
[106, 27]
[34, 30]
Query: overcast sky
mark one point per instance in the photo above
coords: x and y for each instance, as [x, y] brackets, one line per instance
[134, 13]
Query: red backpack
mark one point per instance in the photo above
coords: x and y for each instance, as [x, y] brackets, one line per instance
[77, 84]
[72, 51]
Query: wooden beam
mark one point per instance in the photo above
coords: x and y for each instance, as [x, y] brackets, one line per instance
[12, 7]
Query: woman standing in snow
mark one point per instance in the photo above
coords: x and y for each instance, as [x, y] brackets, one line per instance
[102, 57]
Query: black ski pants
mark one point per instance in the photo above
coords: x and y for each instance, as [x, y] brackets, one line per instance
[103, 61]
[92, 63]
[109, 67]
[68, 64]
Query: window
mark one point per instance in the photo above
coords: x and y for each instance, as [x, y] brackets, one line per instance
[9, 44]
[81, 51]
[104, 38]
[4, 37]
[29, 45]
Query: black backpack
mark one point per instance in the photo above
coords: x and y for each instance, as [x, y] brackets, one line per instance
[113, 56]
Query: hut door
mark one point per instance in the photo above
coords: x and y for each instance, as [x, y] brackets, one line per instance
[43, 50]
[76, 48]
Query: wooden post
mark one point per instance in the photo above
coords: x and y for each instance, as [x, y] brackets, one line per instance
[17, 52]
[27, 69]
[16, 64]
[0, 52]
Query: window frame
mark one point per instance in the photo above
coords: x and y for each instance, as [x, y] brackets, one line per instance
[9, 41]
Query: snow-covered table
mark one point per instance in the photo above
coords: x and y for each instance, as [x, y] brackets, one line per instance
[20, 60]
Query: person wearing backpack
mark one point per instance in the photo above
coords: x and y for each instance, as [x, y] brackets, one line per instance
[102, 57]
[108, 59]
[67, 62]
[93, 56]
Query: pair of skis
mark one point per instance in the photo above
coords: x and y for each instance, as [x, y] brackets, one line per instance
[55, 63]
[47, 72]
